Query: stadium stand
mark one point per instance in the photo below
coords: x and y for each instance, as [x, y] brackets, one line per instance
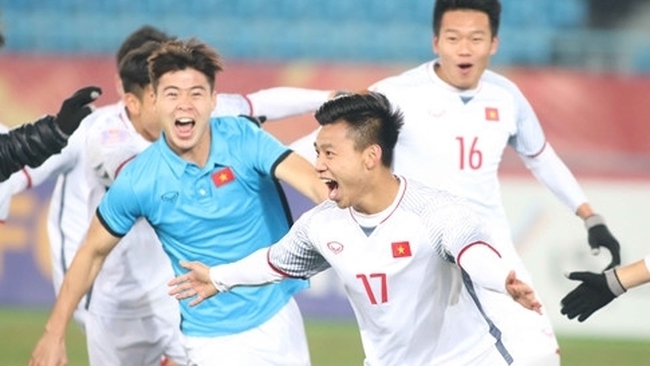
[342, 30]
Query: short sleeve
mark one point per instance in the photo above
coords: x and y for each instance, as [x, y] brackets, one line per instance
[120, 207]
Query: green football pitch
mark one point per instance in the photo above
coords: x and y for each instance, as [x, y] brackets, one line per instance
[331, 344]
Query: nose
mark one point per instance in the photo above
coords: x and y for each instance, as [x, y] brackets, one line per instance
[184, 101]
[465, 47]
[320, 166]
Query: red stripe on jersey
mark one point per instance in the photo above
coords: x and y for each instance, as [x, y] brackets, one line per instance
[540, 151]
[462, 251]
[29, 178]
[119, 167]
[250, 105]
[276, 269]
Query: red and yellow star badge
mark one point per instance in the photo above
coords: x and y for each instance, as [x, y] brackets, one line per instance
[223, 176]
[401, 249]
[492, 114]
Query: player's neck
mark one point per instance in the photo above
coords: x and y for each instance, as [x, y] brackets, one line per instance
[382, 194]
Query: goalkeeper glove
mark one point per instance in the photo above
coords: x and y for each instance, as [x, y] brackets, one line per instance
[598, 235]
[595, 291]
[76, 108]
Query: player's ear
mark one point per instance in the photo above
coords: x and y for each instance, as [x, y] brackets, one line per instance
[132, 103]
[495, 45]
[372, 156]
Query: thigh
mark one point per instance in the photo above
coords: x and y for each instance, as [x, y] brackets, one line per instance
[281, 341]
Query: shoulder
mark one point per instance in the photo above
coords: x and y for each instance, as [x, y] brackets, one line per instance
[103, 115]
[421, 198]
[408, 78]
[233, 125]
[494, 80]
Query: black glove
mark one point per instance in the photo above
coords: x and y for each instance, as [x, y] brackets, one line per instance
[599, 236]
[595, 291]
[76, 108]
[257, 120]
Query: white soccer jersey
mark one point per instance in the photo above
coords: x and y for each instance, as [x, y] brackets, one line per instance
[399, 273]
[454, 140]
[137, 269]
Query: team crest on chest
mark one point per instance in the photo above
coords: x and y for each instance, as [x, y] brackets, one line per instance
[401, 249]
[223, 176]
[491, 114]
[335, 247]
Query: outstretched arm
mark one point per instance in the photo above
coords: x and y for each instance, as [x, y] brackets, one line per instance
[203, 282]
[599, 289]
[549, 169]
[32, 143]
[487, 269]
[50, 349]
[282, 102]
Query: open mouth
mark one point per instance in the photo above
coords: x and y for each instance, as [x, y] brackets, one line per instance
[184, 126]
[333, 187]
[465, 67]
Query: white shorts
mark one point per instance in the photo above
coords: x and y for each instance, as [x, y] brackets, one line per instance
[138, 341]
[280, 341]
[528, 336]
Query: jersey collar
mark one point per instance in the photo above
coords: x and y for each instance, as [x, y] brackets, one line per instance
[443, 84]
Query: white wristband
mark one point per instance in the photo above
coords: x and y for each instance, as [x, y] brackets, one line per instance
[614, 283]
[594, 220]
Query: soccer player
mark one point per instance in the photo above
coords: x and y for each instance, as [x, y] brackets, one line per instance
[32, 143]
[140, 285]
[599, 289]
[400, 248]
[459, 118]
[208, 188]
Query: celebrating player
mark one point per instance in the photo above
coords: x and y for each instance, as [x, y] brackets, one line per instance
[459, 118]
[400, 248]
[207, 187]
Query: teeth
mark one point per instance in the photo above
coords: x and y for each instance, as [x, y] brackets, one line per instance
[184, 120]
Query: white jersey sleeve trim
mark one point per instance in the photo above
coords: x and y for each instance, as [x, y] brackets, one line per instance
[283, 102]
[484, 265]
[647, 262]
[549, 169]
[252, 270]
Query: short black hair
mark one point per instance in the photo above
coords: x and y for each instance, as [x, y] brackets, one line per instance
[133, 69]
[492, 8]
[176, 55]
[139, 37]
[372, 120]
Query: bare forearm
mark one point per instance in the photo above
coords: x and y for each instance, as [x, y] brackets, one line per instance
[634, 274]
[77, 282]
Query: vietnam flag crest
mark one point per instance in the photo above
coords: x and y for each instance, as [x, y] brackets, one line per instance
[401, 249]
[223, 176]
[492, 114]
